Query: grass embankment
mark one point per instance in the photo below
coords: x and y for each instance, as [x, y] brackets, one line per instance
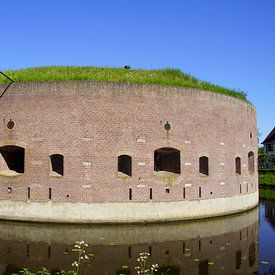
[267, 185]
[169, 77]
[267, 178]
[267, 194]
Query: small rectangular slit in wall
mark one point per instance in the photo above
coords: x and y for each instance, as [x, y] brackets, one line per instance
[151, 194]
[240, 235]
[50, 193]
[129, 252]
[199, 192]
[247, 188]
[28, 250]
[49, 252]
[183, 192]
[183, 248]
[240, 188]
[130, 194]
[199, 245]
[150, 250]
[29, 192]
[167, 190]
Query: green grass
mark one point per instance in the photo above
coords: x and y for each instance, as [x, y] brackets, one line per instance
[266, 178]
[267, 194]
[169, 77]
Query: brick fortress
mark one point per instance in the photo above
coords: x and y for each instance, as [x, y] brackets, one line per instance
[103, 152]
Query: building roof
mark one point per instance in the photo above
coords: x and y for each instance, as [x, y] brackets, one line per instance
[270, 138]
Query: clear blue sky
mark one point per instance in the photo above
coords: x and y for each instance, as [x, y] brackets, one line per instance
[227, 42]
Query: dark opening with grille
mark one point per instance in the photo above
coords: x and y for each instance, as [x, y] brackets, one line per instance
[57, 162]
[14, 157]
[238, 165]
[167, 159]
[125, 165]
[204, 167]
[251, 167]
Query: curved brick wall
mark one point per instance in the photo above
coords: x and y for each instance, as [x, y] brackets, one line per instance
[92, 123]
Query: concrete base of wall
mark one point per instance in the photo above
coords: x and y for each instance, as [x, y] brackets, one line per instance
[132, 212]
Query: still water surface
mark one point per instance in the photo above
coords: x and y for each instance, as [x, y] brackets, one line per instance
[227, 245]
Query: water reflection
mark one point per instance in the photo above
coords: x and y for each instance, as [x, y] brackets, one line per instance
[225, 245]
[270, 213]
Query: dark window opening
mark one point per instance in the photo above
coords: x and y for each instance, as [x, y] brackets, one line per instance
[203, 267]
[238, 165]
[252, 254]
[125, 165]
[183, 248]
[50, 193]
[167, 159]
[14, 157]
[238, 259]
[204, 167]
[199, 192]
[240, 188]
[251, 167]
[167, 191]
[151, 193]
[250, 135]
[183, 192]
[57, 162]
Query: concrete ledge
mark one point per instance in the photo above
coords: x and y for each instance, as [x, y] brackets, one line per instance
[124, 234]
[132, 212]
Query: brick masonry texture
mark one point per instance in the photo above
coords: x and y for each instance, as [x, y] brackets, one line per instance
[92, 123]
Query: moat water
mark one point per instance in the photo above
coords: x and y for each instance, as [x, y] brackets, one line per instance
[236, 244]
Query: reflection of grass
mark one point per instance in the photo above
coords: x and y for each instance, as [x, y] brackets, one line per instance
[170, 77]
[267, 194]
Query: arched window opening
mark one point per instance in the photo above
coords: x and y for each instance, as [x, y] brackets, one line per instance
[238, 165]
[125, 165]
[12, 158]
[57, 162]
[204, 167]
[251, 165]
[167, 159]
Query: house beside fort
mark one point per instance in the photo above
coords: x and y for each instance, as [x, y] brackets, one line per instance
[134, 150]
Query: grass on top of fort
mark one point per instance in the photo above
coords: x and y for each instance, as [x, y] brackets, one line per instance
[169, 77]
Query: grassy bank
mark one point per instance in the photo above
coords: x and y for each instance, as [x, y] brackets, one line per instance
[267, 194]
[266, 178]
[169, 77]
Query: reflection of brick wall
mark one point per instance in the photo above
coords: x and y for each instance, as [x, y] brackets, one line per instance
[185, 255]
[92, 123]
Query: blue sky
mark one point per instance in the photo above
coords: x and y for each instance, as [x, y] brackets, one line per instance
[227, 42]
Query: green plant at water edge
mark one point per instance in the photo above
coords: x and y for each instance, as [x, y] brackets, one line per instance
[81, 257]
[142, 267]
[80, 248]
